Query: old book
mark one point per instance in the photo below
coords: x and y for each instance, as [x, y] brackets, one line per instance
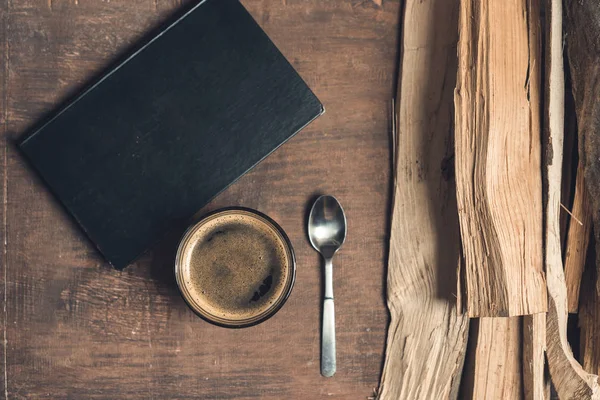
[498, 166]
[168, 128]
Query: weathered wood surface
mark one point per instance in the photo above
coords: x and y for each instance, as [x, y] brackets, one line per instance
[578, 238]
[427, 338]
[582, 23]
[589, 317]
[582, 29]
[570, 163]
[498, 174]
[568, 377]
[493, 367]
[536, 385]
[75, 328]
[3, 176]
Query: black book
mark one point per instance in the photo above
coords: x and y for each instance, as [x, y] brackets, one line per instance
[166, 130]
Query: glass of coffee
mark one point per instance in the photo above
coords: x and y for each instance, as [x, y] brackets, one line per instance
[235, 268]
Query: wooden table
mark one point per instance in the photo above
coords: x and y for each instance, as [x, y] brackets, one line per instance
[72, 327]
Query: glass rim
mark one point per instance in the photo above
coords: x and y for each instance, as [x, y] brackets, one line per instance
[277, 304]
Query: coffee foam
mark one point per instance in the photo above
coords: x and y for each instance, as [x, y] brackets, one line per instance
[235, 266]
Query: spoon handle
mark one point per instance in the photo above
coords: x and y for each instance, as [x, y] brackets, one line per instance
[328, 359]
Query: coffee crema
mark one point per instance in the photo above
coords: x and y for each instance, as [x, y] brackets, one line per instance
[235, 267]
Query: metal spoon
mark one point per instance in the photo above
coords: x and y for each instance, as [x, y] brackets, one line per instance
[327, 232]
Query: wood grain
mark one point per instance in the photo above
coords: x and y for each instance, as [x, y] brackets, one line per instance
[498, 174]
[589, 317]
[3, 177]
[568, 377]
[427, 338]
[582, 28]
[570, 163]
[536, 386]
[536, 383]
[78, 329]
[578, 238]
[494, 357]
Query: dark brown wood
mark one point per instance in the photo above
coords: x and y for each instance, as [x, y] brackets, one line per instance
[3, 160]
[589, 315]
[578, 239]
[582, 23]
[570, 162]
[76, 328]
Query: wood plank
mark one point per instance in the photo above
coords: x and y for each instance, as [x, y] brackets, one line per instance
[79, 329]
[577, 240]
[498, 157]
[582, 22]
[4, 73]
[536, 386]
[427, 338]
[570, 163]
[568, 378]
[493, 365]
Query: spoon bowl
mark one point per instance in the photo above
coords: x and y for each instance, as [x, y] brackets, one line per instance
[327, 226]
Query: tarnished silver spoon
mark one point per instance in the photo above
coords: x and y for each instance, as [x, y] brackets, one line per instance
[327, 232]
